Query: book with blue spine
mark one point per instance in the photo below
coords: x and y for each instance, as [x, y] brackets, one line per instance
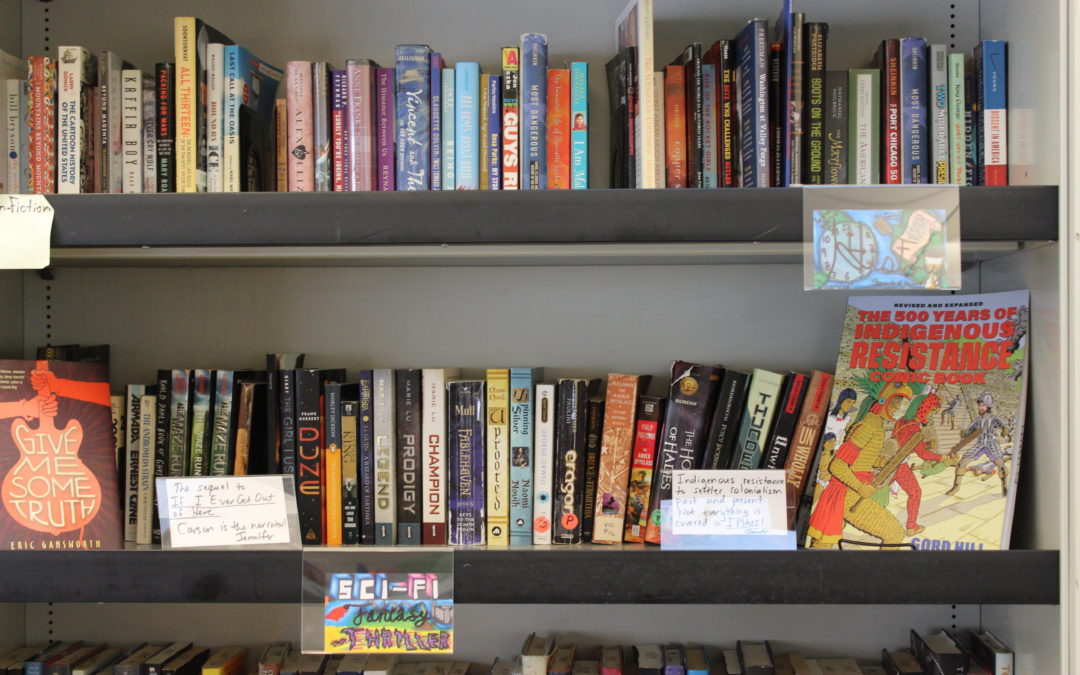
[579, 125]
[413, 112]
[494, 131]
[708, 92]
[914, 116]
[365, 445]
[449, 127]
[534, 61]
[522, 385]
[467, 121]
[752, 56]
[250, 83]
[436, 121]
[222, 430]
[991, 165]
[466, 427]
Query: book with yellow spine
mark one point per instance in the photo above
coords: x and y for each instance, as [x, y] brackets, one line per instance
[498, 456]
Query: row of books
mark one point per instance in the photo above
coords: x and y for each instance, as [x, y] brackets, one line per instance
[761, 112]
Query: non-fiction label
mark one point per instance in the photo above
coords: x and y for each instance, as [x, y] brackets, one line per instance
[25, 229]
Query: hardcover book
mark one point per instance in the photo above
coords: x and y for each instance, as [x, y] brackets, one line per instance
[522, 384]
[360, 111]
[57, 457]
[42, 130]
[814, 152]
[108, 124]
[320, 125]
[309, 466]
[805, 440]
[165, 141]
[836, 127]
[915, 142]
[888, 61]
[558, 129]
[534, 63]
[466, 426]
[365, 431]
[957, 145]
[616, 455]
[720, 445]
[449, 129]
[251, 87]
[675, 126]
[790, 405]
[752, 54]
[579, 125]
[690, 61]
[990, 65]
[301, 141]
[384, 129]
[938, 105]
[350, 471]
[864, 130]
[436, 120]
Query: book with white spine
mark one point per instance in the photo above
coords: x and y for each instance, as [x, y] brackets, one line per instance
[131, 120]
[634, 28]
[543, 461]
[433, 430]
[149, 135]
[77, 73]
[385, 474]
[215, 102]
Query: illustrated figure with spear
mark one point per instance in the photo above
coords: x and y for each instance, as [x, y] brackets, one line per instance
[984, 428]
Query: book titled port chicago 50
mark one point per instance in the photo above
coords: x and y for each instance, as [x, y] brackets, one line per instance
[923, 439]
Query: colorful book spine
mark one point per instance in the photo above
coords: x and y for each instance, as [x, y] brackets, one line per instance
[251, 87]
[413, 111]
[690, 59]
[795, 86]
[558, 129]
[534, 80]
[215, 100]
[407, 424]
[990, 89]
[579, 125]
[384, 128]
[569, 488]
[360, 74]
[708, 96]
[350, 473]
[864, 132]
[890, 109]
[131, 136]
[433, 431]
[650, 412]
[522, 384]
[544, 461]
[915, 142]
[485, 139]
[814, 166]
[616, 455]
[498, 456]
[300, 139]
[77, 74]
[493, 152]
[837, 116]
[320, 127]
[511, 117]
[449, 129]
[221, 430]
[42, 113]
[165, 128]
[281, 146]
[761, 406]
[179, 421]
[385, 469]
[729, 116]
[339, 130]
[675, 125]
[365, 432]
[956, 119]
[162, 408]
[752, 53]
[939, 113]
[594, 430]
[332, 465]
[12, 127]
[191, 37]
[309, 465]
[436, 120]
[466, 426]
[467, 120]
[805, 440]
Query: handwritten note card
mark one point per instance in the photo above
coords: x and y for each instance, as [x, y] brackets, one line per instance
[227, 511]
[728, 503]
[25, 229]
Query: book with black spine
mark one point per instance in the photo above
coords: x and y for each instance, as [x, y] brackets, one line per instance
[594, 427]
[365, 440]
[837, 124]
[690, 59]
[350, 483]
[616, 80]
[814, 159]
[787, 415]
[720, 445]
[407, 408]
[572, 398]
[270, 460]
[309, 469]
[285, 418]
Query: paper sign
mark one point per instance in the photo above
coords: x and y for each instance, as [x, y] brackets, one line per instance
[228, 511]
[728, 503]
[25, 229]
[389, 613]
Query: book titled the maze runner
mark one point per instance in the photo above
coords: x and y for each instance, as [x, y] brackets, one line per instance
[921, 447]
[57, 458]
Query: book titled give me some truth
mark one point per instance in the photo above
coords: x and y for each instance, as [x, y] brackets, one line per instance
[57, 457]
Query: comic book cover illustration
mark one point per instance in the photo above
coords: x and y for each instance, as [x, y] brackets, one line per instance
[921, 447]
[59, 486]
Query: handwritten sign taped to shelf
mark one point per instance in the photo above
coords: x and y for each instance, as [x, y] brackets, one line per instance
[728, 502]
[228, 511]
[25, 230]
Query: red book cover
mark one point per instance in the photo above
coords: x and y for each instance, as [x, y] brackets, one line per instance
[804, 442]
[57, 457]
[558, 129]
[42, 111]
[890, 109]
[650, 410]
[675, 125]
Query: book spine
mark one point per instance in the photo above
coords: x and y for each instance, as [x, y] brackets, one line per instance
[864, 135]
[890, 109]
[708, 95]
[659, 143]
[466, 117]
[12, 125]
[384, 128]
[777, 109]
[836, 127]
[579, 125]
[339, 131]
[558, 129]
[629, 87]
[594, 426]
[222, 441]
[761, 404]
[72, 76]
[281, 145]
[990, 73]
[569, 489]
[433, 430]
[544, 460]
[413, 117]
[729, 117]
[971, 136]
[956, 119]
[187, 103]
[436, 121]
[133, 414]
[165, 130]
[365, 431]
[132, 134]
[939, 115]
[522, 381]
[360, 110]
[24, 138]
[814, 168]
[232, 100]
[650, 412]
[465, 434]
[511, 116]
[215, 99]
[776, 451]
[149, 136]
[309, 469]
[332, 464]
[385, 470]
[298, 102]
[179, 422]
[648, 161]
[675, 125]
[449, 127]
[616, 456]
[320, 125]
[112, 152]
[752, 53]
[102, 127]
[42, 125]
[725, 420]
[695, 105]
[805, 440]
[914, 140]
[162, 407]
[497, 458]
[796, 91]
[493, 146]
[485, 140]
[286, 418]
[407, 410]
[617, 126]
[350, 492]
[534, 61]
[144, 517]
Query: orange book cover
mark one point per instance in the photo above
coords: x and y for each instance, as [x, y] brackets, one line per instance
[558, 129]
[616, 453]
[675, 125]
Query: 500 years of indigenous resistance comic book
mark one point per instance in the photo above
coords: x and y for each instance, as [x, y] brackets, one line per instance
[922, 444]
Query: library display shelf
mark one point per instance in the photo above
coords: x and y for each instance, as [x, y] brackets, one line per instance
[565, 226]
[572, 574]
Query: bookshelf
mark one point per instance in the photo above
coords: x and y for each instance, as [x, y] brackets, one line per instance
[221, 279]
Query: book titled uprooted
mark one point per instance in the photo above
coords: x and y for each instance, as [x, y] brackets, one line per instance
[57, 457]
